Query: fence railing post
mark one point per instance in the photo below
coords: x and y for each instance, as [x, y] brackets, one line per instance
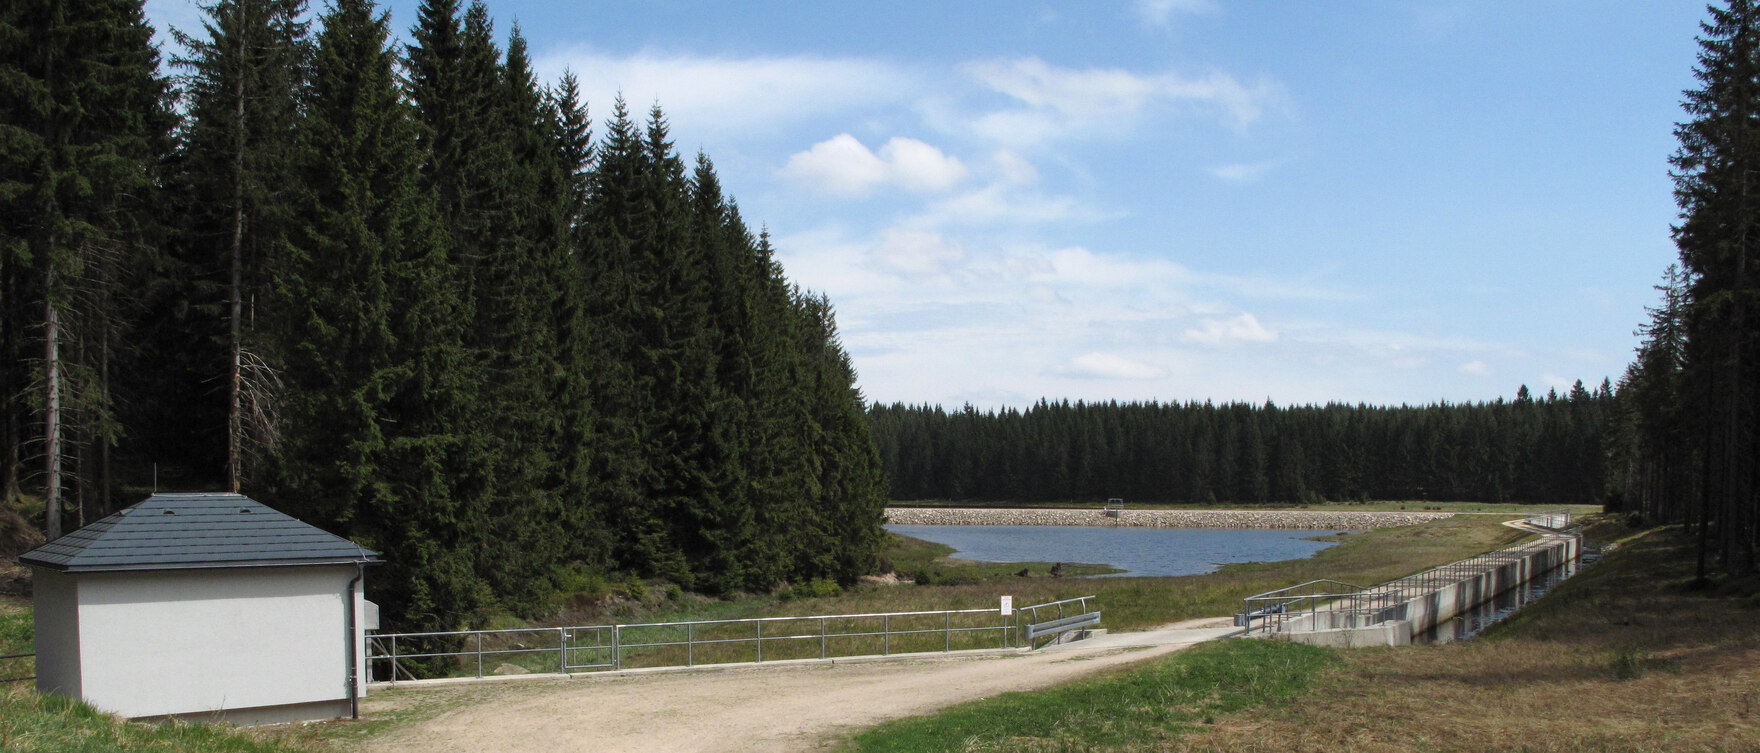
[479, 656]
[760, 624]
[690, 644]
[821, 637]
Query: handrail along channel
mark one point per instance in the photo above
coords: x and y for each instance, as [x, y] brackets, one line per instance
[1364, 606]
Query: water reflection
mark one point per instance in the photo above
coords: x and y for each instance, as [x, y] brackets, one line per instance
[1475, 620]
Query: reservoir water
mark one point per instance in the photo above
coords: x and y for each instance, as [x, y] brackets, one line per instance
[1136, 551]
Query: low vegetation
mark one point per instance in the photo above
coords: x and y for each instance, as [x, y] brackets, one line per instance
[1139, 708]
[1631, 655]
[34, 723]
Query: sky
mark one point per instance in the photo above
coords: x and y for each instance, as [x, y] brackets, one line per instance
[1390, 202]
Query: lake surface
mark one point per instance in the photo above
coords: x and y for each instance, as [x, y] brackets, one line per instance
[1137, 551]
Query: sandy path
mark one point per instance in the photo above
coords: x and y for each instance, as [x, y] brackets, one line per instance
[771, 708]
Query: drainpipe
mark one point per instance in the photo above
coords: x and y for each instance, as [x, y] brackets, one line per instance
[354, 700]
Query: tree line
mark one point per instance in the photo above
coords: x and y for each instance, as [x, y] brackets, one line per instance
[1545, 450]
[1684, 445]
[408, 295]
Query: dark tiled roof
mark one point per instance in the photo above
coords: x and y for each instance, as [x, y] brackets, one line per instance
[183, 531]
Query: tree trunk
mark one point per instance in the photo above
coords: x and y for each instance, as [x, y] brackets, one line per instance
[234, 420]
[51, 405]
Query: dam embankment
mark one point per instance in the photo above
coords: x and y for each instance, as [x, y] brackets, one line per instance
[1310, 520]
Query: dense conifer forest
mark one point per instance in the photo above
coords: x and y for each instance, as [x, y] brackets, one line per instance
[408, 294]
[417, 296]
[1537, 450]
[1684, 446]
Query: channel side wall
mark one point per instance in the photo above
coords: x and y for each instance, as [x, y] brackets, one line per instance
[1396, 625]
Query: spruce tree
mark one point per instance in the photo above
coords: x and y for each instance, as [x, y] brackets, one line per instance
[376, 391]
[84, 126]
[1715, 172]
[242, 89]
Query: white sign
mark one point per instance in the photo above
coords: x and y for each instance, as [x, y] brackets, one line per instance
[1007, 605]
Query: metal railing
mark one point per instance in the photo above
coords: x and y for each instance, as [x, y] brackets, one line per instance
[7, 657]
[564, 650]
[1040, 625]
[1273, 610]
[1556, 520]
[1345, 605]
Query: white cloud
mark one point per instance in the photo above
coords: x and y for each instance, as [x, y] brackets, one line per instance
[1060, 102]
[1003, 204]
[1475, 367]
[1243, 328]
[1242, 173]
[843, 165]
[1011, 167]
[918, 254]
[1109, 366]
[728, 92]
[1160, 12]
[1081, 266]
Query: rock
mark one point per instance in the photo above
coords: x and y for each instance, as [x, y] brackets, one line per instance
[510, 669]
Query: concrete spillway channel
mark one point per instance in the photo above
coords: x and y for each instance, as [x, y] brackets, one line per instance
[1390, 614]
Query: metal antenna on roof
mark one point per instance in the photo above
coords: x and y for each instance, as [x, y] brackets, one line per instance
[155, 478]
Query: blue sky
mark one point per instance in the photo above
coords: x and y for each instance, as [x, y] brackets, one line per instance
[1386, 202]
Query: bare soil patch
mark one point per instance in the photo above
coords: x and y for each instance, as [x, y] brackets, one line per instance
[770, 708]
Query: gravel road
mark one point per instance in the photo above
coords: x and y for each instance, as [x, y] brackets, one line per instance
[794, 707]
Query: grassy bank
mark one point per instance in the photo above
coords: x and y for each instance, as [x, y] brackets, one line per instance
[1630, 655]
[1144, 705]
[33, 723]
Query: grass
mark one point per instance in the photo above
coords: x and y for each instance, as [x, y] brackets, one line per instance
[16, 637]
[34, 723]
[1630, 655]
[1148, 704]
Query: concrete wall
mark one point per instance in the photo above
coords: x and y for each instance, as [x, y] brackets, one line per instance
[1395, 625]
[55, 609]
[1443, 604]
[157, 643]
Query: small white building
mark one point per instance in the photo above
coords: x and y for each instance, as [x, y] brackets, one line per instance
[210, 606]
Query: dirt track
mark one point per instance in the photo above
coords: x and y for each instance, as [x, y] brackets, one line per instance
[770, 708]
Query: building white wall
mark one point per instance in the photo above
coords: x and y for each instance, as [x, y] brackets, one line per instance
[54, 604]
[192, 641]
